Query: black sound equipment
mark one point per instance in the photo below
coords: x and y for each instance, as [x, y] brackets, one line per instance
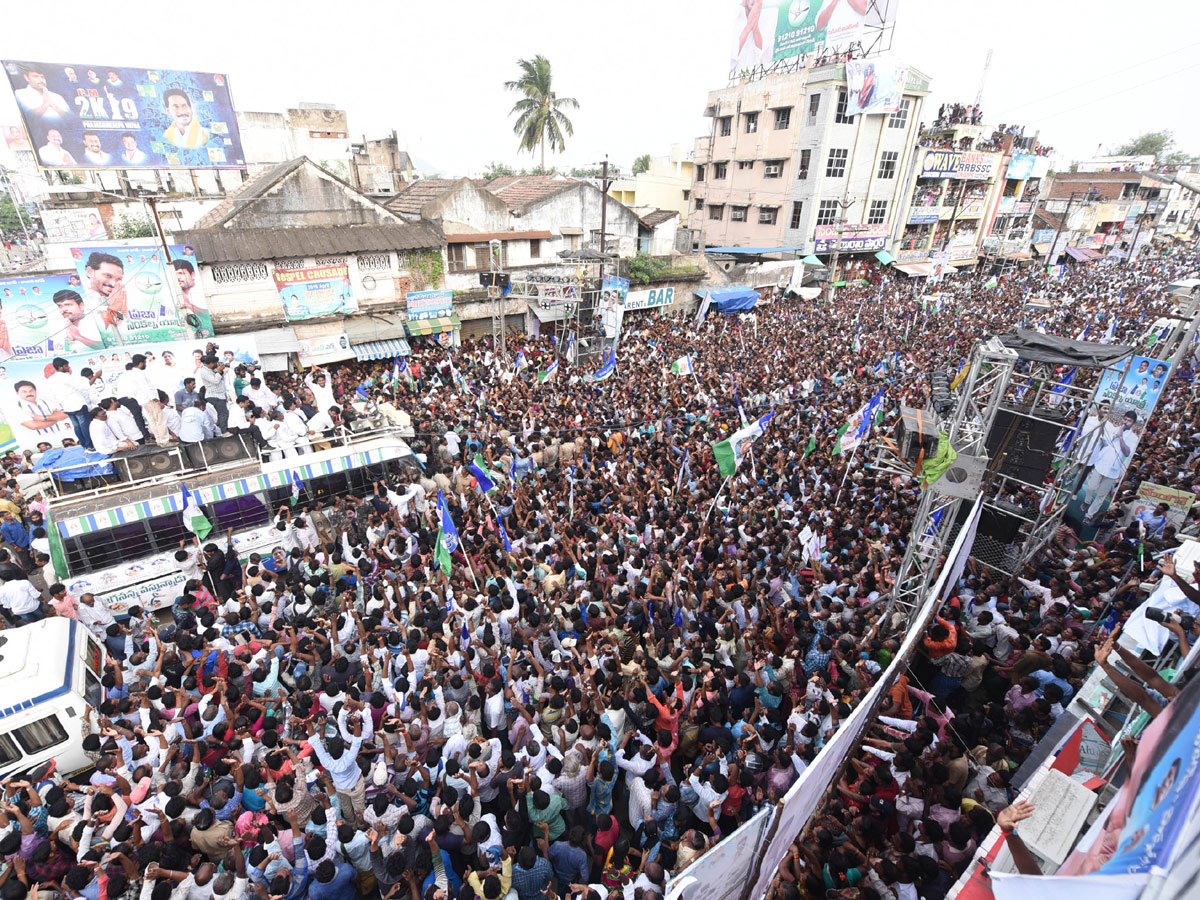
[916, 431]
[1003, 524]
[217, 451]
[147, 462]
[1024, 447]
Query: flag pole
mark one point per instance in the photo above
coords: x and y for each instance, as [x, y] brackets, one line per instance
[718, 497]
[845, 476]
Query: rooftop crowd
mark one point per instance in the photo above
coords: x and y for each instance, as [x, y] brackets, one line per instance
[628, 657]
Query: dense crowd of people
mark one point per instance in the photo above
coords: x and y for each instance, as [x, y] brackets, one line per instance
[625, 656]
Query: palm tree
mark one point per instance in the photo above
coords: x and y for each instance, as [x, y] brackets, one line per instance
[540, 119]
[641, 164]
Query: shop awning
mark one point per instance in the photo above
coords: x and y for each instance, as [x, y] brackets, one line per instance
[916, 269]
[811, 260]
[1083, 254]
[434, 326]
[1041, 249]
[380, 349]
[365, 328]
[969, 261]
[275, 341]
[553, 314]
[884, 257]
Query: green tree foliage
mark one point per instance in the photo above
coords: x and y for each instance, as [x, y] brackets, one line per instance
[1159, 144]
[127, 227]
[539, 112]
[641, 164]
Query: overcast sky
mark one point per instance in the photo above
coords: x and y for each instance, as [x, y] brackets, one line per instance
[640, 69]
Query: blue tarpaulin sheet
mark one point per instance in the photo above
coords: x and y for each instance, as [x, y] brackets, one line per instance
[89, 463]
[734, 299]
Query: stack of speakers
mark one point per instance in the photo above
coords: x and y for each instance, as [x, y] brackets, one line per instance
[940, 394]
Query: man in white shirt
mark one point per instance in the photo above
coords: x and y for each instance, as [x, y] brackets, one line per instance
[103, 437]
[94, 615]
[297, 428]
[146, 394]
[73, 395]
[321, 425]
[38, 100]
[196, 423]
[318, 383]
[1108, 465]
[261, 395]
[22, 600]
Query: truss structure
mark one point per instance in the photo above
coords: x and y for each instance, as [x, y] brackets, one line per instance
[934, 524]
[568, 294]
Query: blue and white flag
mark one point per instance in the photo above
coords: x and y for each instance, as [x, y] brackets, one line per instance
[487, 483]
[362, 392]
[447, 539]
[1061, 388]
[1110, 335]
[395, 370]
[880, 369]
[464, 639]
[685, 470]
[570, 354]
[194, 519]
[522, 363]
[1083, 334]
[868, 419]
[571, 498]
[858, 340]
[606, 370]
[503, 534]
[297, 487]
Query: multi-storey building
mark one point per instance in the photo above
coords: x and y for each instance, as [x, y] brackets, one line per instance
[785, 166]
[1101, 213]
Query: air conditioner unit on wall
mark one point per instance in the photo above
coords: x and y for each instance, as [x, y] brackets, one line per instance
[772, 171]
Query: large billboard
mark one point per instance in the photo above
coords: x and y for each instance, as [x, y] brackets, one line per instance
[766, 31]
[81, 116]
[317, 291]
[31, 406]
[429, 304]
[965, 164]
[70, 226]
[854, 238]
[874, 86]
[119, 295]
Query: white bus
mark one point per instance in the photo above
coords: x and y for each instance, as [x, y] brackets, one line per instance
[120, 540]
[50, 675]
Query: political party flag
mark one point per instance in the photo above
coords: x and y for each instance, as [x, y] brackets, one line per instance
[522, 363]
[868, 419]
[395, 370]
[297, 487]
[848, 436]
[858, 340]
[936, 467]
[548, 373]
[606, 370]
[1111, 334]
[194, 519]
[362, 392]
[810, 446]
[571, 347]
[447, 538]
[994, 282]
[487, 481]
[464, 638]
[731, 451]
[503, 534]
[571, 498]
[1061, 388]
[1083, 334]
[683, 366]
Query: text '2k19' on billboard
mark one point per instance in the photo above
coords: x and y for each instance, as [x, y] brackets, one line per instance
[83, 116]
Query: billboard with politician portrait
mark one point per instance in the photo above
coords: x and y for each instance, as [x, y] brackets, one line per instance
[766, 31]
[874, 86]
[82, 116]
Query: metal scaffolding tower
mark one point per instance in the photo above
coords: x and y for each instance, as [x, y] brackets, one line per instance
[569, 297]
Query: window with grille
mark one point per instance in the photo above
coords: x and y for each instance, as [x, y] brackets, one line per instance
[459, 258]
[767, 215]
[720, 170]
[887, 164]
[751, 123]
[699, 203]
[699, 173]
[814, 104]
[716, 210]
[783, 118]
[827, 212]
[877, 214]
[835, 167]
[374, 262]
[805, 159]
[240, 273]
[899, 119]
[744, 164]
[726, 126]
[840, 116]
[797, 212]
[737, 214]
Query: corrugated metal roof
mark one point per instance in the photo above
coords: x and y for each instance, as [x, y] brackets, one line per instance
[251, 244]
[658, 216]
[413, 198]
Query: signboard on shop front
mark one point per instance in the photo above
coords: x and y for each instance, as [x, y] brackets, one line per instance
[961, 164]
[859, 238]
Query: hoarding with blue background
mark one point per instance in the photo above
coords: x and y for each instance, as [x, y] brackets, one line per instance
[429, 304]
[144, 291]
[317, 291]
[1021, 167]
[82, 116]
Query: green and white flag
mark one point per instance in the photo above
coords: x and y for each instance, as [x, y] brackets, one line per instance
[732, 451]
[194, 519]
[683, 366]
